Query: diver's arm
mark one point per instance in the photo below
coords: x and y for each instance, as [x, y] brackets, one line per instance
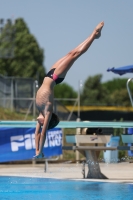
[44, 130]
[37, 137]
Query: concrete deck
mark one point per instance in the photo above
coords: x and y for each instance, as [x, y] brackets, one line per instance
[116, 172]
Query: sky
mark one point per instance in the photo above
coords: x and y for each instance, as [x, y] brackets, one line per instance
[61, 25]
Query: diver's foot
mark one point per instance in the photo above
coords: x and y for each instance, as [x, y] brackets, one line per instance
[38, 156]
[98, 29]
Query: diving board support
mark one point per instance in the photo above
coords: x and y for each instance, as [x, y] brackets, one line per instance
[87, 147]
[90, 151]
[92, 160]
[93, 165]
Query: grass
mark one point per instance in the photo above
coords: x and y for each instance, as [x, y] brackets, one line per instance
[7, 114]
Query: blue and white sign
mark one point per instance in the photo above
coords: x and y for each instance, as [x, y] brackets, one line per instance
[19, 143]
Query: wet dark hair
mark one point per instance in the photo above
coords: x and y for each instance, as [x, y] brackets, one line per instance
[54, 121]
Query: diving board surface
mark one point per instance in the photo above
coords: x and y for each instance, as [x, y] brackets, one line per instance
[99, 139]
[69, 124]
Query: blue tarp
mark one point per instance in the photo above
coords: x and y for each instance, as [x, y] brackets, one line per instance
[121, 70]
[19, 143]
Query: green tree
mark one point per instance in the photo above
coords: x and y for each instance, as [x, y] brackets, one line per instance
[94, 92]
[118, 93]
[28, 56]
[116, 84]
[63, 91]
[120, 97]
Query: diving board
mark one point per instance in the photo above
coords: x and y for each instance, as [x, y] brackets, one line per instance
[101, 139]
[69, 124]
[98, 148]
[82, 124]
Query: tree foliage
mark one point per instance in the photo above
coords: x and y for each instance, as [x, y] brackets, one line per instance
[112, 92]
[28, 56]
[63, 91]
[118, 93]
[93, 91]
[120, 97]
[116, 84]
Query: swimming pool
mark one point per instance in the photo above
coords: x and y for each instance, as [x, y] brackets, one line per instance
[25, 188]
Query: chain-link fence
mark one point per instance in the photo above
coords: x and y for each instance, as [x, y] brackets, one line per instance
[5, 92]
[18, 94]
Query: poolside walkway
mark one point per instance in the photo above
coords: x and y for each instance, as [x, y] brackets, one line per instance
[116, 172]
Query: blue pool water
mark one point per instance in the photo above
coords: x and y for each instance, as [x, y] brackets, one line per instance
[21, 188]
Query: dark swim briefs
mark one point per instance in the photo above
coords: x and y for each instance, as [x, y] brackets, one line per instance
[51, 74]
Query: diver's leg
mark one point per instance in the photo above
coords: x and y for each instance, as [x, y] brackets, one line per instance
[64, 64]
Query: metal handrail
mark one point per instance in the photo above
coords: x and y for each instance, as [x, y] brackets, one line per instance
[129, 92]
